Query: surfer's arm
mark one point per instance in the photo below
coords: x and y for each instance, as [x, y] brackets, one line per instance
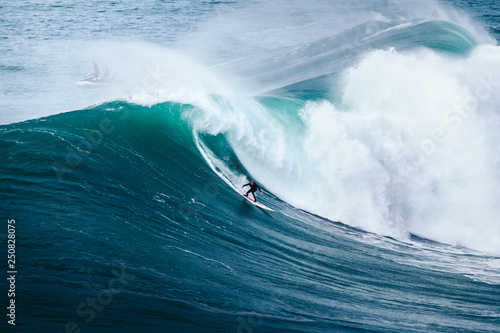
[246, 185]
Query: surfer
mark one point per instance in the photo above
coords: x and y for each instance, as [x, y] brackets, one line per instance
[253, 188]
[96, 71]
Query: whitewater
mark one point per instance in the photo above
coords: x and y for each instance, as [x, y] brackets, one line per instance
[372, 129]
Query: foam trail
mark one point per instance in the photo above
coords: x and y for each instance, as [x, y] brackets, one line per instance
[219, 167]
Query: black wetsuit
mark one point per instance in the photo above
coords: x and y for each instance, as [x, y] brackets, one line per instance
[252, 190]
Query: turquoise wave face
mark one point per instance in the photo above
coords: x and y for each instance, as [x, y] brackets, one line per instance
[117, 206]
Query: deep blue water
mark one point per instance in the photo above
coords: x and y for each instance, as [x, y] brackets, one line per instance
[372, 129]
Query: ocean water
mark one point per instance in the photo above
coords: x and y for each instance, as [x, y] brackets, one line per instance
[372, 128]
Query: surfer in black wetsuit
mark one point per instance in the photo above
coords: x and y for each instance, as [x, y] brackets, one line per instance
[253, 188]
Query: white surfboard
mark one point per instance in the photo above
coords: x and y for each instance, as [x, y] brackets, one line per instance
[258, 204]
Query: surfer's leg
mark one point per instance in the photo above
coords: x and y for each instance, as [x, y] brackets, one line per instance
[254, 198]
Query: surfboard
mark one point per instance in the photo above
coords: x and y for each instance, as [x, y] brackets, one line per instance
[258, 204]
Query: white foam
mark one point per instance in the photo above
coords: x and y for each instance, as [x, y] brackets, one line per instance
[412, 150]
